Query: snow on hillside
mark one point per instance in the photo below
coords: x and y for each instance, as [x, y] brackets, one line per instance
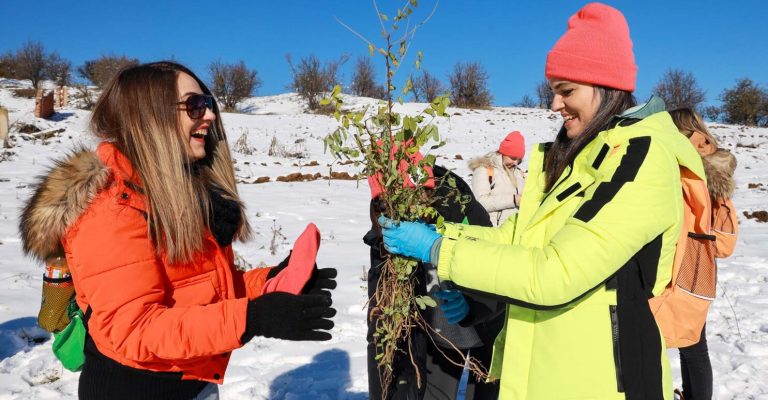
[279, 211]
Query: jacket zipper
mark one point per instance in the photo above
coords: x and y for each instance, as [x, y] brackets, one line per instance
[616, 354]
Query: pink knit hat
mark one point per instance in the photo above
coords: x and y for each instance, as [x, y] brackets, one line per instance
[595, 49]
[513, 145]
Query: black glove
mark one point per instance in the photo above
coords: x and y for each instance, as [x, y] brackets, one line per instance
[290, 317]
[321, 278]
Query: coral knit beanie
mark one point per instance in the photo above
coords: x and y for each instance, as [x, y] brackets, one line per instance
[595, 49]
[513, 145]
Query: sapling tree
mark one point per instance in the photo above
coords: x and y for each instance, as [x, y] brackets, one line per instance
[385, 143]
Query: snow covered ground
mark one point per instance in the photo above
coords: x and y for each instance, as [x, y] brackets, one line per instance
[279, 211]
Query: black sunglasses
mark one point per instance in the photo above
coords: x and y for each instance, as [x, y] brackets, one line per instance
[196, 104]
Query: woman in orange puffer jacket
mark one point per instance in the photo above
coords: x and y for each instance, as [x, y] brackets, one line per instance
[719, 166]
[146, 224]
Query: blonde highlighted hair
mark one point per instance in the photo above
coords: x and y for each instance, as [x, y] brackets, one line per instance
[689, 121]
[138, 111]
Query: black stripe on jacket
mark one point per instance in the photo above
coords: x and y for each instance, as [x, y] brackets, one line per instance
[626, 172]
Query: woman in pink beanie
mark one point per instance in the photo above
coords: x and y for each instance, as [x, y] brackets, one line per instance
[594, 237]
[497, 179]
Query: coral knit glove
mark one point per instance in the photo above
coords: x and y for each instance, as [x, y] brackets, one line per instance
[293, 274]
[289, 316]
[410, 239]
[321, 281]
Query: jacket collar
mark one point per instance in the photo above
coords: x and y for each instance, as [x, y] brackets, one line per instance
[62, 195]
[654, 105]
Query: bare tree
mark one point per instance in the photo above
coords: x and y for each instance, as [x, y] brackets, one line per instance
[84, 97]
[8, 65]
[469, 85]
[364, 80]
[58, 69]
[426, 87]
[527, 102]
[544, 94]
[311, 80]
[231, 83]
[30, 62]
[99, 71]
[679, 89]
[711, 113]
[745, 104]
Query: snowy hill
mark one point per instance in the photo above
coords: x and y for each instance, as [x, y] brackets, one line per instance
[282, 140]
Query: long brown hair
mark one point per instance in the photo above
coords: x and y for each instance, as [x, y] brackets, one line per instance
[689, 121]
[564, 150]
[138, 111]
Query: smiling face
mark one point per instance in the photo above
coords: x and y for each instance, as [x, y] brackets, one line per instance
[576, 102]
[194, 129]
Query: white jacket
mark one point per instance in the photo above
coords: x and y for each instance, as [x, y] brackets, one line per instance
[497, 194]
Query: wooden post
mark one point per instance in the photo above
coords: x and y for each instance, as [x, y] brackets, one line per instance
[43, 104]
[64, 96]
[4, 126]
[60, 98]
[38, 100]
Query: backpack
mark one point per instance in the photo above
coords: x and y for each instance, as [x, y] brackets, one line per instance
[60, 315]
[681, 309]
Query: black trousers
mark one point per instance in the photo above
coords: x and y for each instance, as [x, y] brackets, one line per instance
[439, 377]
[696, 370]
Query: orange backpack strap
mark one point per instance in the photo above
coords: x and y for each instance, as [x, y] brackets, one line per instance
[489, 169]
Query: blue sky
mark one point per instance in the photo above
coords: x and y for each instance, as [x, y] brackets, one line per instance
[718, 41]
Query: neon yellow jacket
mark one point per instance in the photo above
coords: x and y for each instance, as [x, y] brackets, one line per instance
[577, 265]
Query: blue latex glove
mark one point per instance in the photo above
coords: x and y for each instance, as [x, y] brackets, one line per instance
[410, 239]
[454, 306]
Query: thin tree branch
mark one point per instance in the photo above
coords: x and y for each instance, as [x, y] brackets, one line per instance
[378, 15]
[432, 13]
[412, 34]
[353, 31]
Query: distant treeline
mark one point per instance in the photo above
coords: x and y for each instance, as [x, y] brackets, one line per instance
[746, 103]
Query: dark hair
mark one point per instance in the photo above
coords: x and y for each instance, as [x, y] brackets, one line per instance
[564, 150]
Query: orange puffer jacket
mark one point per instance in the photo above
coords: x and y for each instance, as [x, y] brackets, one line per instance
[146, 313]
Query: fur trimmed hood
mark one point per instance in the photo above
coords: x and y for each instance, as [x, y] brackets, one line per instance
[62, 195]
[492, 159]
[719, 168]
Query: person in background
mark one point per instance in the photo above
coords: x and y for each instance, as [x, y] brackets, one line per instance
[481, 318]
[719, 165]
[594, 238]
[497, 179]
[146, 223]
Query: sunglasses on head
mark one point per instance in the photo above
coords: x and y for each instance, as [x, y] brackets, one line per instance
[196, 104]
